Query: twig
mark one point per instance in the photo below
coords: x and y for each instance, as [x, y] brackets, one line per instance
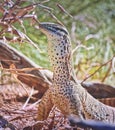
[24, 69]
[26, 37]
[55, 18]
[98, 69]
[33, 105]
[42, 2]
[30, 95]
[82, 46]
[107, 73]
[62, 9]
[45, 7]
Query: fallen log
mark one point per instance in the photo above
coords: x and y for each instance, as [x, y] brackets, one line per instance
[41, 78]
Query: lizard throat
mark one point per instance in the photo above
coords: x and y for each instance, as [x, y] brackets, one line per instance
[60, 57]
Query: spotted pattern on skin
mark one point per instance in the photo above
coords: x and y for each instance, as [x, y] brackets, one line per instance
[66, 94]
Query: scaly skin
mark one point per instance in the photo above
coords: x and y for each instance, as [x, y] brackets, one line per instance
[66, 93]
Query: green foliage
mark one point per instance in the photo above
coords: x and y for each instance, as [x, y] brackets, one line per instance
[93, 23]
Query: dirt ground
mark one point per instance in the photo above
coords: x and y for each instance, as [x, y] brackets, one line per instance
[19, 109]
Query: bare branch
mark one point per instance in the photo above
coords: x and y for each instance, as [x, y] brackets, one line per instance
[98, 69]
[63, 10]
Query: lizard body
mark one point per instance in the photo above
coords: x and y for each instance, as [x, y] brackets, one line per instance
[66, 93]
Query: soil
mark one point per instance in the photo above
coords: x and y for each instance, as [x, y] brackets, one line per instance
[21, 115]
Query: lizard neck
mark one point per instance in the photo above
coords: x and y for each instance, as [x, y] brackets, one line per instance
[62, 72]
[60, 55]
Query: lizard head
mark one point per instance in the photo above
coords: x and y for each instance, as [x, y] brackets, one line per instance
[53, 31]
[59, 46]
